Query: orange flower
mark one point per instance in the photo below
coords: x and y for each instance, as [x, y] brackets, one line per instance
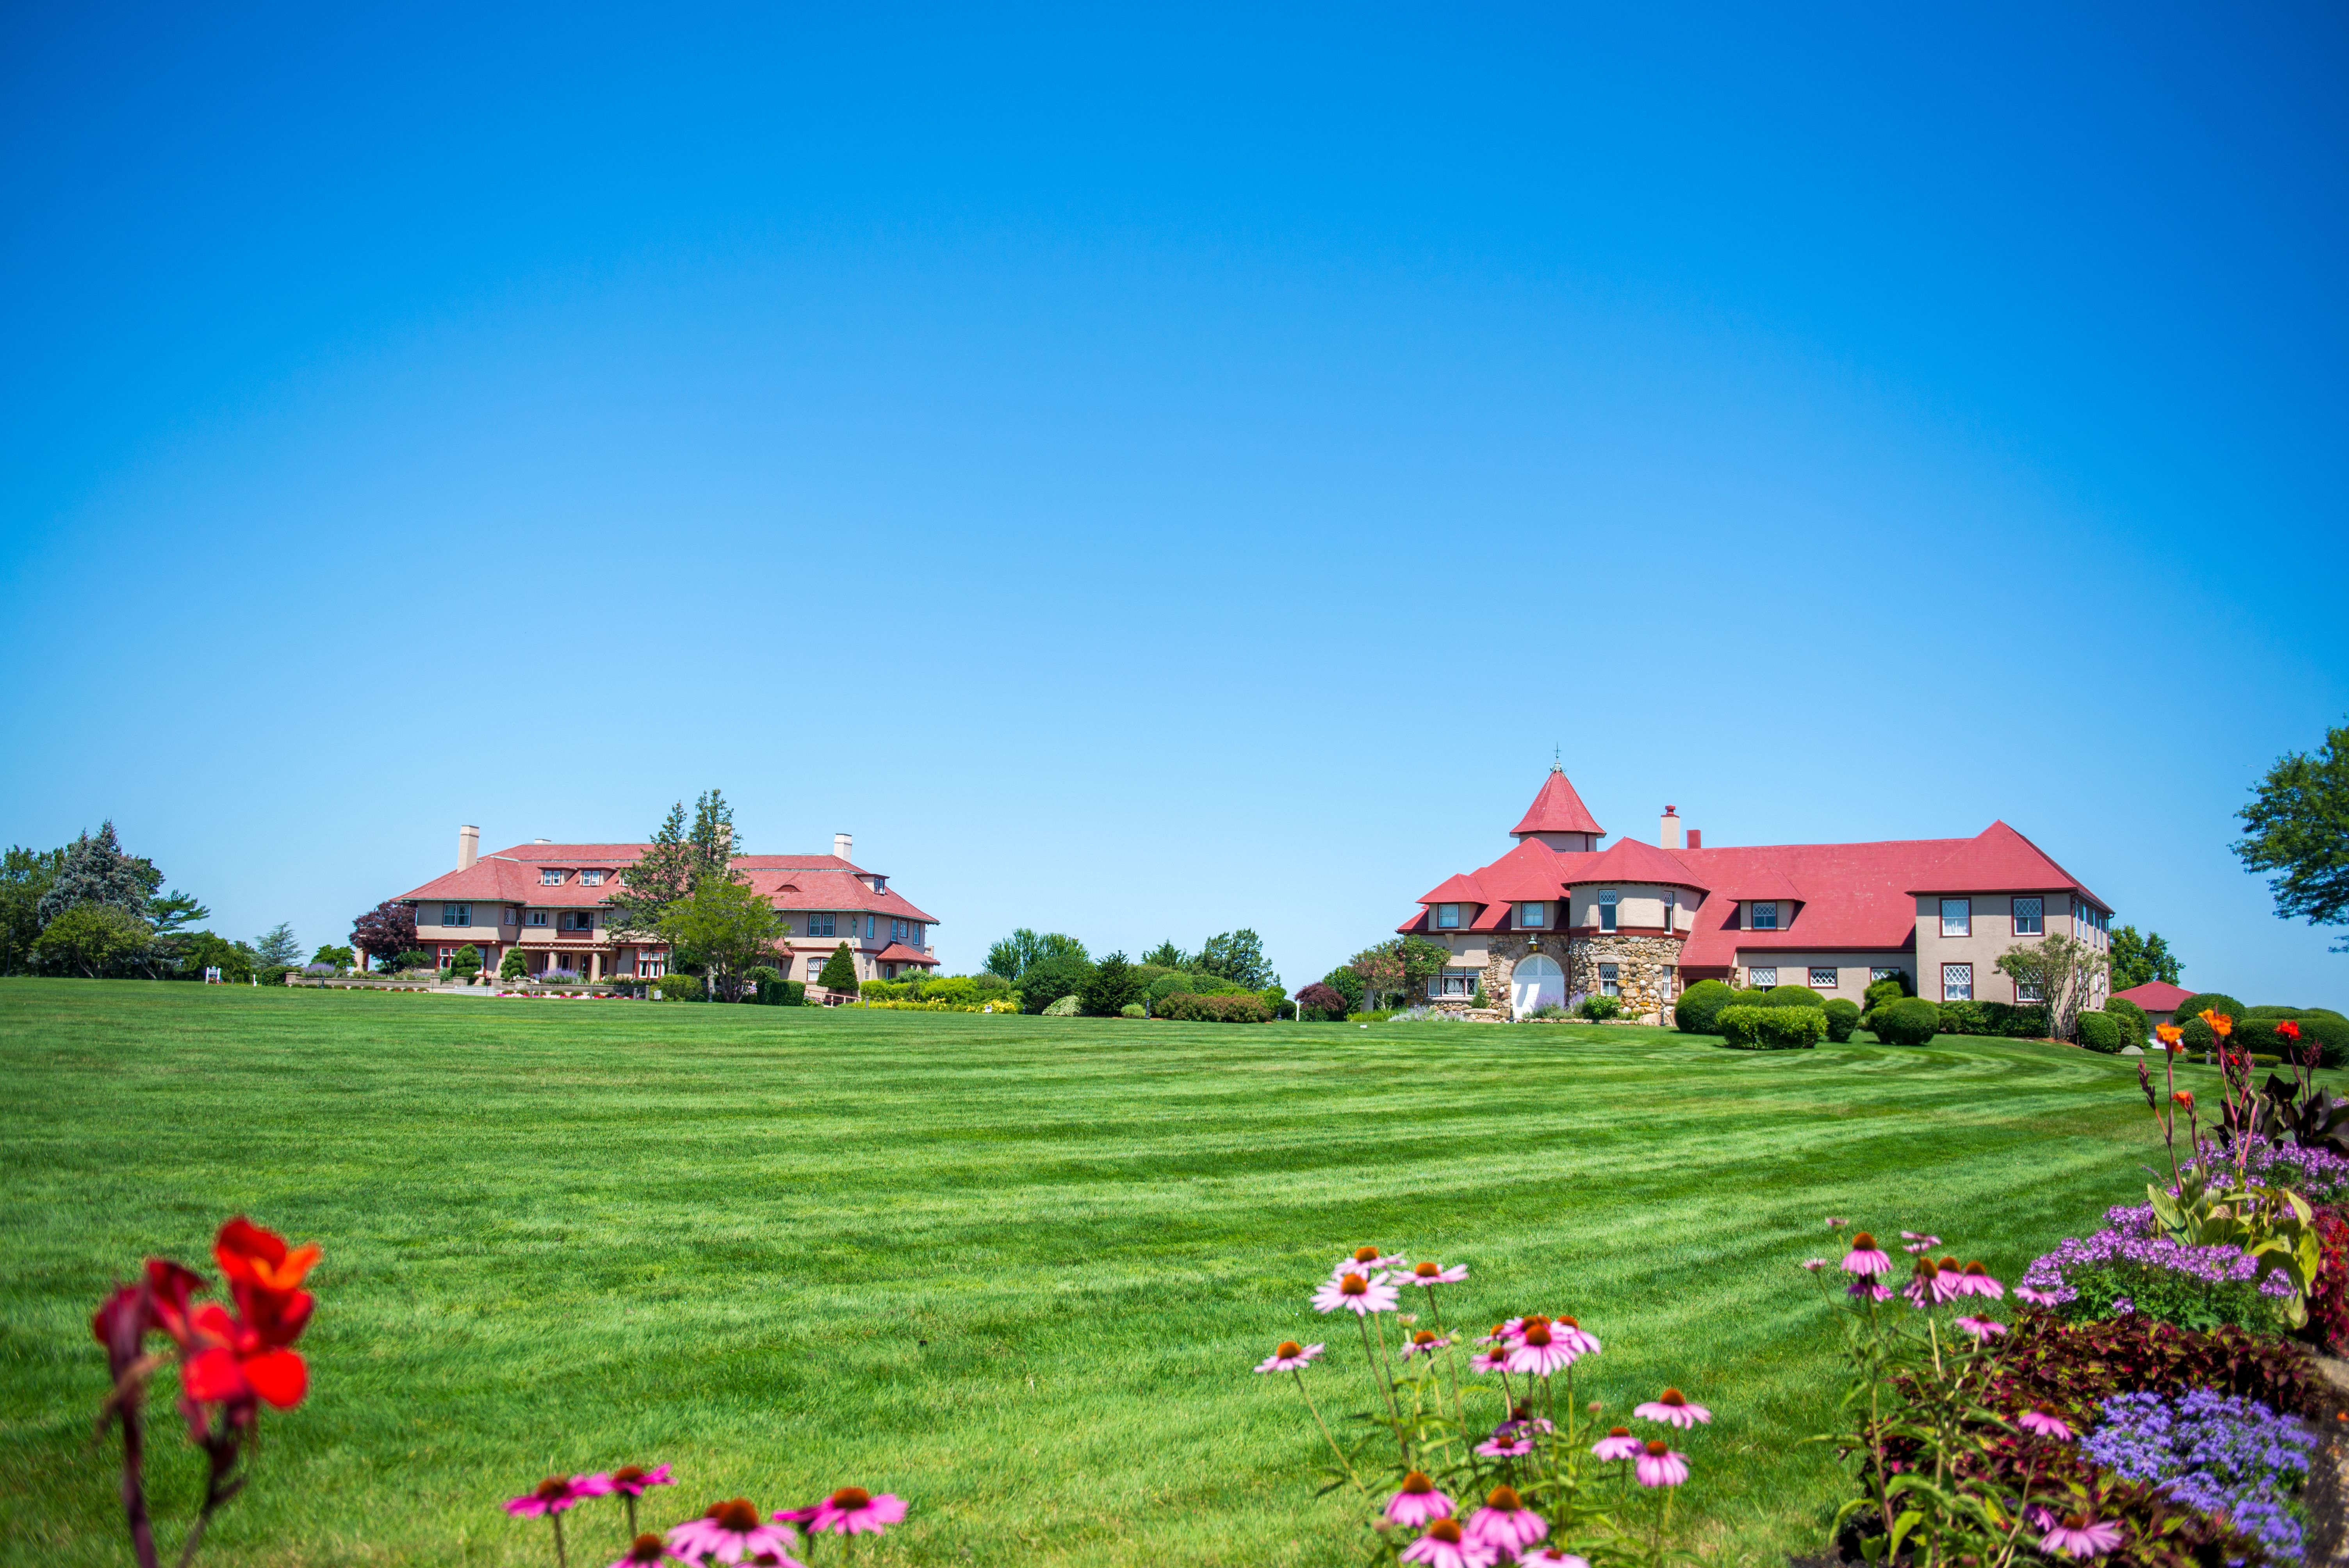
[250, 1255]
[2168, 1035]
[2220, 1024]
[2183, 1097]
[2289, 1030]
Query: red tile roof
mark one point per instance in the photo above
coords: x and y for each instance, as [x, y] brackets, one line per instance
[2156, 995]
[1558, 810]
[790, 881]
[898, 953]
[1629, 860]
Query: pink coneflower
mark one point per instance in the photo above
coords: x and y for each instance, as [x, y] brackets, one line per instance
[1573, 1336]
[1288, 1356]
[2081, 1536]
[555, 1494]
[646, 1549]
[2045, 1425]
[1366, 1261]
[1673, 1408]
[1865, 1258]
[1551, 1557]
[1538, 1354]
[1492, 1359]
[1974, 1280]
[1836, 1222]
[1361, 1295]
[1445, 1545]
[1919, 1242]
[1659, 1466]
[1930, 1287]
[1619, 1444]
[1868, 1290]
[1505, 1443]
[632, 1480]
[1423, 1343]
[1435, 1274]
[731, 1531]
[1506, 1523]
[1418, 1502]
[1815, 1264]
[1981, 1328]
[2036, 1297]
[852, 1510]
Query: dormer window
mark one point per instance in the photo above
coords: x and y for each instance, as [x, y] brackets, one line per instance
[1447, 917]
[1533, 916]
[591, 878]
[1607, 916]
[1765, 915]
[549, 877]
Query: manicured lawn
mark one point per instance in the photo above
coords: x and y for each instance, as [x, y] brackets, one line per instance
[1015, 1269]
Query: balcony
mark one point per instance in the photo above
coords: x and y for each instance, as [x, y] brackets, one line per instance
[562, 936]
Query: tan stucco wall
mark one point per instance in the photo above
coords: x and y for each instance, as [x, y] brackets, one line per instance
[1992, 933]
[1636, 904]
[1851, 968]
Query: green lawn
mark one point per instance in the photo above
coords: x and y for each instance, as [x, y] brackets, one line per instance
[1015, 1269]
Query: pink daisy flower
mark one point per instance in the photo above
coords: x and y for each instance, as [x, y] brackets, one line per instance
[1418, 1502]
[1865, 1258]
[731, 1531]
[1506, 1523]
[852, 1510]
[1538, 1355]
[1366, 1261]
[1835, 1223]
[1919, 1242]
[1573, 1336]
[1659, 1466]
[555, 1494]
[1423, 1343]
[2045, 1425]
[1619, 1444]
[1930, 1286]
[1288, 1356]
[1445, 1545]
[1815, 1264]
[1674, 1408]
[1974, 1280]
[1430, 1274]
[646, 1549]
[1505, 1443]
[1868, 1290]
[2036, 1297]
[1361, 1295]
[1551, 1557]
[1981, 1328]
[2080, 1536]
[1492, 1359]
[631, 1481]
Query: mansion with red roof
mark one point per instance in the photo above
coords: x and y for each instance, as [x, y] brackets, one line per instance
[1558, 916]
[552, 902]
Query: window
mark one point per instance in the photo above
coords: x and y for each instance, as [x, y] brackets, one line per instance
[513, 917]
[1761, 979]
[538, 917]
[1611, 980]
[2027, 912]
[1531, 916]
[456, 914]
[868, 928]
[1957, 982]
[1958, 918]
[549, 877]
[1881, 974]
[820, 925]
[896, 930]
[1606, 912]
[815, 967]
[1455, 981]
[1671, 907]
[1765, 916]
[921, 933]
[2028, 989]
[1822, 979]
[591, 878]
[448, 956]
[1447, 917]
[578, 920]
[2090, 915]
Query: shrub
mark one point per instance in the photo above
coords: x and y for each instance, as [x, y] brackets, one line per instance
[1750, 1028]
[1911, 1021]
[1700, 1007]
[465, 961]
[1964, 1018]
[2272, 1012]
[1067, 1007]
[512, 966]
[1347, 984]
[413, 958]
[1319, 1002]
[1245, 1007]
[1048, 980]
[762, 975]
[1879, 992]
[2198, 1032]
[2259, 1036]
[2100, 1032]
[679, 987]
[1598, 1009]
[1792, 997]
[1110, 986]
[1133, 1010]
[1166, 986]
[1842, 1017]
[2017, 1021]
[2136, 1028]
[839, 972]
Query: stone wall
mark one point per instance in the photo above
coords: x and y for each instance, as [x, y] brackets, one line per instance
[1643, 968]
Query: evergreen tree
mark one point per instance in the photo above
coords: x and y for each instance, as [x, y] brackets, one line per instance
[1110, 986]
[277, 946]
[1167, 955]
[96, 871]
[1237, 956]
[839, 972]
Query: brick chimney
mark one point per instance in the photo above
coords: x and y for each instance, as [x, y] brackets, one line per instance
[468, 847]
[841, 844]
[1696, 838]
[1669, 836]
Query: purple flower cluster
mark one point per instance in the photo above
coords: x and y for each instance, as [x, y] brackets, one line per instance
[2132, 1239]
[2230, 1456]
[2318, 1175]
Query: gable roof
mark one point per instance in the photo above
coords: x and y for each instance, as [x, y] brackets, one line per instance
[1557, 809]
[2000, 860]
[1631, 860]
[2156, 995]
[898, 953]
[789, 882]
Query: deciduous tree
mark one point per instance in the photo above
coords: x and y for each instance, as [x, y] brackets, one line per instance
[2297, 826]
[722, 928]
[1237, 956]
[385, 930]
[2138, 959]
[1021, 950]
[25, 876]
[92, 939]
[2062, 971]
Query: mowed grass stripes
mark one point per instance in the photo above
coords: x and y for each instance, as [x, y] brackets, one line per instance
[1015, 1269]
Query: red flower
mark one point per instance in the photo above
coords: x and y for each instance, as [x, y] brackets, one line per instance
[2289, 1030]
[250, 1255]
[157, 1303]
[2183, 1097]
[240, 1356]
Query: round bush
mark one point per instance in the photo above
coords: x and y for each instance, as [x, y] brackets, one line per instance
[1700, 1005]
[1842, 1017]
[1911, 1021]
[2100, 1032]
[1318, 1003]
[2272, 1013]
[1065, 1007]
[1746, 1027]
[1879, 992]
[2198, 1032]
[679, 987]
[1133, 1010]
[2136, 1028]
[2330, 1036]
[1792, 997]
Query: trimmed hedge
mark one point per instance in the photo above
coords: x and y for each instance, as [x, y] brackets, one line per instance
[1133, 1010]
[679, 987]
[2330, 1036]
[1879, 992]
[2100, 1032]
[1750, 1028]
[1700, 1007]
[2198, 1032]
[1794, 997]
[1842, 1017]
[1245, 1007]
[1911, 1021]
[2137, 1027]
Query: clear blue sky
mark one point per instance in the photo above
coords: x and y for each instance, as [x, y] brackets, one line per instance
[1148, 476]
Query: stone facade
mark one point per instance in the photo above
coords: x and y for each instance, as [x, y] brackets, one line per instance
[1644, 967]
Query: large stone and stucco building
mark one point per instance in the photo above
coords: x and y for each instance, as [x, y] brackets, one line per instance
[552, 902]
[1558, 916]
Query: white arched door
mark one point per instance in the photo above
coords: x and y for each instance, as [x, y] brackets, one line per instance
[1534, 981]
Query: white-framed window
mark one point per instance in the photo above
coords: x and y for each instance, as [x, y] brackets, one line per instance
[1957, 982]
[821, 924]
[1611, 980]
[513, 917]
[815, 965]
[2088, 915]
[1880, 973]
[578, 920]
[2030, 990]
[448, 956]
[1671, 908]
[868, 928]
[1761, 979]
[2029, 914]
[1957, 920]
[549, 877]
[1457, 980]
[1531, 916]
[456, 914]
[1822, 979]
[1447, 917]
[1606, 916]
[591, 878]
[1765, 915]
[538, 917]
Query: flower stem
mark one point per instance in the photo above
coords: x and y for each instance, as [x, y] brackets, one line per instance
[1299, 1374]
[560, 1560]
[1362, 1321]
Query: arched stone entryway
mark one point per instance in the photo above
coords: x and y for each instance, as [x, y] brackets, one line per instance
[1536, 980]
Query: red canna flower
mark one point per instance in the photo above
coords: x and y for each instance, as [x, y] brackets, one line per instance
[2289, 1030]
[2183, 1097]
[234, 1364]
[250, 1255]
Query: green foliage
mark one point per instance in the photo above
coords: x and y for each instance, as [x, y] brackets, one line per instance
[96, 870]
[200, 950]
[1344, 981]
[1700, 1007]
[2136, 1028]
[1794, 996]
[92, 939]
[412, 958]
[1111, 987]
[1067, 1007]
[1879, 992]
[2188, 1017]
[465, 962]
[1746, 1027]
[513, 965]
[1599, 1008]
[1843, 1017]
[762, 975]
[1240, 1008]
[340, 957]
[724, 927]
[1237, 956]
[678, 861]
[2016, 1021]
[839, 972]
[2327, 1033]
[2101, 1032]
[676, 987]
[1051, 978]
[2297, 826]
[1165, 986]
[1167, 955]
[1133, 1010]
[1024, 949]
[2139, 960]
[277, 947]
[25, 877]
[1911, 1021]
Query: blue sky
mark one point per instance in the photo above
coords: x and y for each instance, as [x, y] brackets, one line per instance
[1149, 476]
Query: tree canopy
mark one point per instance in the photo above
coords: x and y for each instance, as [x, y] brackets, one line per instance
[1112, 984]
[678, 859]
[1237, 956]
[2297, 826]
[387, 929]
[1021, 950]
[722, 928]
[2138, 959]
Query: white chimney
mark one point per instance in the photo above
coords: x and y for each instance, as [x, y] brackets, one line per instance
[468, 847]
[1670, 837]
[841, 844]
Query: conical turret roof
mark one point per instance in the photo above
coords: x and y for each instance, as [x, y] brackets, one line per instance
[1557, 809]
